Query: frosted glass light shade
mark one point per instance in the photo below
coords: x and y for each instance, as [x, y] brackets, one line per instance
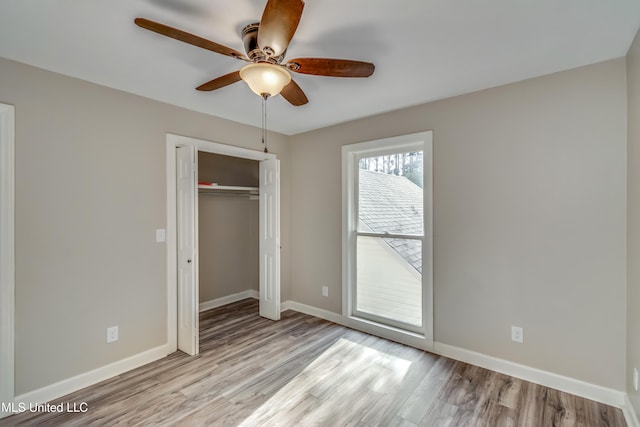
[265, 78]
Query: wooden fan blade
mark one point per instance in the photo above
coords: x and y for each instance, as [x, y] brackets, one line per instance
[279, 22]
[331, 67]
[219, 82]
[294, 94]
[189, 38]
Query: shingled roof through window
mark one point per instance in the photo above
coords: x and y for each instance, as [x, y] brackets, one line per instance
[391, 203]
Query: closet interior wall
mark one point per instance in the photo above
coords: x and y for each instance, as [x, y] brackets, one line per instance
[228, 227]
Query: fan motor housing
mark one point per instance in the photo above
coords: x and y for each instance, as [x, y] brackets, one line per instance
[250, 40]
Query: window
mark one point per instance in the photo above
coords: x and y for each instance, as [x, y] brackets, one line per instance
[387, 234]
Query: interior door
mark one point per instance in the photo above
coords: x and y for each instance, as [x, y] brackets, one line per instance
[270, 239]
[186, 201]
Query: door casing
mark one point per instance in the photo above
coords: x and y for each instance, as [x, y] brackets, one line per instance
[172, 142]
[7, 255]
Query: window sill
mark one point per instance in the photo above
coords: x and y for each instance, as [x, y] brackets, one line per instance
[412, 339]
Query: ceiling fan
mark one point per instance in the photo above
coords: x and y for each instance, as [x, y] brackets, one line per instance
[266, 44]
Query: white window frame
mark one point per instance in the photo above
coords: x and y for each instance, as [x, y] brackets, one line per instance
[351, 154]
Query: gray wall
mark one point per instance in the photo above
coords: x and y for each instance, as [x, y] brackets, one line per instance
[228, 170]
[228, 228]
[90, 192]
[633, 218]
[529, 218]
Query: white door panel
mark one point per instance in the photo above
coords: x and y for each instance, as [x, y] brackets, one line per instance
[187, 255]
[270, 239]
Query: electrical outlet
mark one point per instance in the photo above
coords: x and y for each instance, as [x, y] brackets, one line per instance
[325, 291]
[112, 334]
[635, 379]
[517, 334]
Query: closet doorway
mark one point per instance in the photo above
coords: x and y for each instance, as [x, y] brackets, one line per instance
[183, 257]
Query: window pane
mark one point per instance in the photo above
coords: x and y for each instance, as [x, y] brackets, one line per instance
[390, 194]
[389, 278]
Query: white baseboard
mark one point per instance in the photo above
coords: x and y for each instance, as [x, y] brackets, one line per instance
[312, 311]
[548, 379]
[630, 413]
[64, 387]
[219, 302]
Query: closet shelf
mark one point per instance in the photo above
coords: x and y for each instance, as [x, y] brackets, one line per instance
[228, 188]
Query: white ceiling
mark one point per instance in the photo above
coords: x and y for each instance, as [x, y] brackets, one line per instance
[423, 50]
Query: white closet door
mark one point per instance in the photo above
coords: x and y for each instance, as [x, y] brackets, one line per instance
[270, 239]
[187, 199]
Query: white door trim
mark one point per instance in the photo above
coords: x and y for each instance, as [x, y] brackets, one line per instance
[7, 255]
[201, 145]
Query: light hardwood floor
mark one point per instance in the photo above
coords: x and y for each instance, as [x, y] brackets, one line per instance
[303, 371]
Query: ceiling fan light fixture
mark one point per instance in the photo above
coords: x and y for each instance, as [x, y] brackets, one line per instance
[264, 78]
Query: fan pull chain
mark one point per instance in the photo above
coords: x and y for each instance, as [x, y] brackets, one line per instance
[264, 121]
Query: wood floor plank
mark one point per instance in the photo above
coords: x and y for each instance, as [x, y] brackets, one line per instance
[304, 371]
[421, 399]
